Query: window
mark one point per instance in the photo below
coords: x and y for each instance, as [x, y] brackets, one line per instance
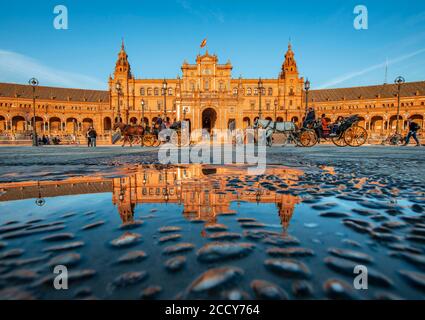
[221, 86]
[255, 91]
[192, 86]
[248, 91]
[270, 92]
[170, 91]
[235, 91]
[156, 91]
[206, 85]
[142, 91]
[149, 91]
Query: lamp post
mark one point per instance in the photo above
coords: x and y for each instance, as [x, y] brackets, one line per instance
[164, 92]
[143, 113]
[275, 109]
[307, 89]
[118, 88]
[398, 81]
[260, 92]
[34, 83]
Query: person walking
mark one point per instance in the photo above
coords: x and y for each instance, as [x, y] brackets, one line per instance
[88, 137]
[93, 136]
[413, 129]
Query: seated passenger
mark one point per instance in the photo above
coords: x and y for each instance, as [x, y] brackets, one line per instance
[336, 125]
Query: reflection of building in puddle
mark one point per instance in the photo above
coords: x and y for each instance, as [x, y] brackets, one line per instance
[204, 192]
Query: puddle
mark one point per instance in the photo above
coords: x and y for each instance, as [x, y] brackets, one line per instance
[209, 232]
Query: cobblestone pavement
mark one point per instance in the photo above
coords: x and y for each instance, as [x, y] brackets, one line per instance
[23, 163]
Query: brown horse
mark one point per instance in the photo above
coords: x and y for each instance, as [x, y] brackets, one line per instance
[129, 132]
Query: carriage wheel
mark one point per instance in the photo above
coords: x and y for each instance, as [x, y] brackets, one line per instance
[148, 140]
[355, 136]
[308, 138]
[156, 142]
[339, 140]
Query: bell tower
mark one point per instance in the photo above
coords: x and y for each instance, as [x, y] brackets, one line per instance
[290, 83]
[289, 66]
[122, 66]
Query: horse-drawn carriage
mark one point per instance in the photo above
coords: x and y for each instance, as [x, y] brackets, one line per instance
[346, 133]
[303, 137]
[138, 134]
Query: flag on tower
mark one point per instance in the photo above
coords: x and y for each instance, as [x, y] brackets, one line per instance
[204, 43]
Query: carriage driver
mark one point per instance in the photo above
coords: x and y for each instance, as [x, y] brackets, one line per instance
[310, 117]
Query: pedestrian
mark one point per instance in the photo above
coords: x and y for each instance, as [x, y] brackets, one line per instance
[93, 136]
[88, 137]
[413, 129]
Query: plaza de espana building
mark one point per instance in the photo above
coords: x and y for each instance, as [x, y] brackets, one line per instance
[207, 96]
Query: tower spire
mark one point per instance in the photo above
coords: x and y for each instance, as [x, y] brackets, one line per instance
[289, 66]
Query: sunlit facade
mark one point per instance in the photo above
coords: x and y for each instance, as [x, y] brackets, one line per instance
[208, 96]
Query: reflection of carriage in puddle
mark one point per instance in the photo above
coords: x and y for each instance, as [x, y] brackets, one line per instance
[348, 133]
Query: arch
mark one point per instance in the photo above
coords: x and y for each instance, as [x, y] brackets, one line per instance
[145, 121]
[107, 124]
[393, 122]
[417, 117]
[294, 119]
[19, 123]
[55, 124]
[118, 119]
[86, 124]
[377, 123]
[269, 119]
[246, 122]
[71, 125]
[279, 119]
[133, 120]
[362, 122]
[209, 118]
[3, 124]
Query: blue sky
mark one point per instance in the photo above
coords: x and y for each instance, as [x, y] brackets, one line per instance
[253, 35]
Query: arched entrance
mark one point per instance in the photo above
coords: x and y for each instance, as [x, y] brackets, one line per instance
[2, 124]
[209, 118]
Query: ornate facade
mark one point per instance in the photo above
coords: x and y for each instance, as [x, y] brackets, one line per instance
[207, 96]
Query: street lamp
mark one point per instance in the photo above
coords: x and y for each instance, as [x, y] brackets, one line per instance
[118, 88]
[34, 83]
[260, 92]
[143, 113]
[164, 91]
[275, 109]
[307, 89]
[398, 81]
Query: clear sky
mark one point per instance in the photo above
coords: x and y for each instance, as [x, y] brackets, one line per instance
[253, 35]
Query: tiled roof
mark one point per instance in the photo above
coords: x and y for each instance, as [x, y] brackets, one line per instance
[369, 92]
[81, 95]
[51, 93]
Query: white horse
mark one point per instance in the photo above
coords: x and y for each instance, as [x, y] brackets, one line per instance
[272, 127]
